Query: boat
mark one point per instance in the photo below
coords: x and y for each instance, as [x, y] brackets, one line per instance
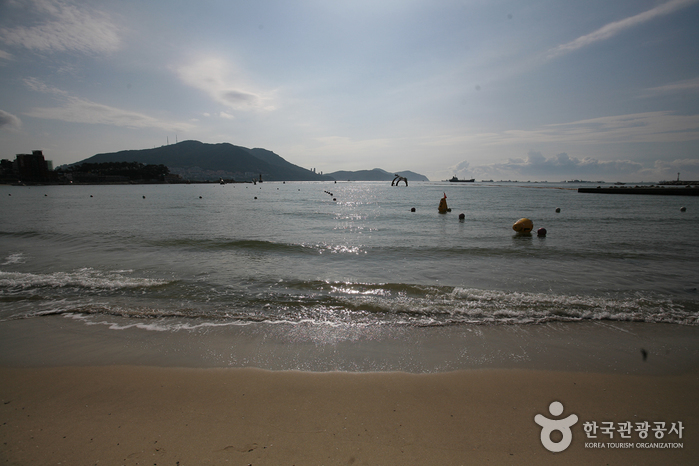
[454, 179]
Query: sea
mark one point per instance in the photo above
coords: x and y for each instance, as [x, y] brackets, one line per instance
[325, 262]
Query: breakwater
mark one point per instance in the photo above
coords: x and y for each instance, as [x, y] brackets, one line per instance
[655, 190]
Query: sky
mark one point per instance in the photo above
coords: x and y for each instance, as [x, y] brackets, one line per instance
[487, 89]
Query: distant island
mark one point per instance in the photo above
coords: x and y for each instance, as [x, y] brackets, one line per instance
[376, 174]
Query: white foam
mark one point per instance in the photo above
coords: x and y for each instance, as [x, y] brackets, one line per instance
[16, 258]
[83, 278]
[345, 306]
[461, 305]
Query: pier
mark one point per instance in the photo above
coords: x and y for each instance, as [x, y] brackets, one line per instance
[688, 190]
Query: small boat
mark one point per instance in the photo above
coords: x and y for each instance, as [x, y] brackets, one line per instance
[456, 180]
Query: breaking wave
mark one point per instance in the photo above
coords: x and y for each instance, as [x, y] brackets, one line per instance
[85, 278]
[178, 306]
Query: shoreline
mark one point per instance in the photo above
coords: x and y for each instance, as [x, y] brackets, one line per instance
[593, 346]
[154, 415]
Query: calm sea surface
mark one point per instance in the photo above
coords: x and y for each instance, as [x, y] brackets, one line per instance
[179, 257]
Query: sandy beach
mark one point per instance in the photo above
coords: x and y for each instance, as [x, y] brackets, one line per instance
[169, 416]
[73, 394]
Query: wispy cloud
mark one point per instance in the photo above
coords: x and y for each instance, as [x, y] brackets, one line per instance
[612, 29]
[224, 85]
[9, 122]
[63, 26]
[638, 127]
[78, 110]
[5, 56]
[649, 127]
[687, 85]
[38, 85]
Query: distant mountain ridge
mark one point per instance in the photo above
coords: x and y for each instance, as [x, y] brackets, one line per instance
[196, 160]
[376, 174]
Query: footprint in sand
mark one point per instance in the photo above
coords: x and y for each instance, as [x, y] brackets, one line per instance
[247, 448]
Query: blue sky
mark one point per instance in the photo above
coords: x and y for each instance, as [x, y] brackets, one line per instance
[502, 89]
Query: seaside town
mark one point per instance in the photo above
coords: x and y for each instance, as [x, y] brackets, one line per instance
[35, 169]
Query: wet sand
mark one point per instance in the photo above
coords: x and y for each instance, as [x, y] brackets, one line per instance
[608, 347]
[168, 416]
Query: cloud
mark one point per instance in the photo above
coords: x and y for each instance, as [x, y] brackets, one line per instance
[557, 167]
[224, 85]
[63, 26]
[78, 110]
[239, 99]
[649, 127]
[668, 169]
[5, 56]
[659, 126]
[9, 121]
[612, 29]
[461, 167]
[39, 86]
[687, 85]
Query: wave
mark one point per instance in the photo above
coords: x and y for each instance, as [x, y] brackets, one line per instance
[85, 278]
[232, 244]
[21, 234]
[15, 258]
[349, 304]
[416, 251]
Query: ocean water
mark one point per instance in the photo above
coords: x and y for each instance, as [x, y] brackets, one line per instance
[181, 258]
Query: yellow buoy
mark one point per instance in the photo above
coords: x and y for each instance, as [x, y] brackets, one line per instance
[523, 225]
[443, 209]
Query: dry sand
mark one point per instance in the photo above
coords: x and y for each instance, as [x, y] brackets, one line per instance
[171, 416]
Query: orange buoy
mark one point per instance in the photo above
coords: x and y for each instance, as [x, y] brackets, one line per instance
[443, 209]
[523, 225]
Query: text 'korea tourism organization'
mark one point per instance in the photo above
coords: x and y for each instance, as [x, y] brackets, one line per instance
[608, 434]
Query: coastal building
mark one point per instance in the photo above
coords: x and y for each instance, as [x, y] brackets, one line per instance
[32, 167]
[6, 168]
[27, 167]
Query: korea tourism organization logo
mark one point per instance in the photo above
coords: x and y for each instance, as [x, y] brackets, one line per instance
[651, 434]
[548, 426]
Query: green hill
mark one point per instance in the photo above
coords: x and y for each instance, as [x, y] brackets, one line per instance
[197, 161]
